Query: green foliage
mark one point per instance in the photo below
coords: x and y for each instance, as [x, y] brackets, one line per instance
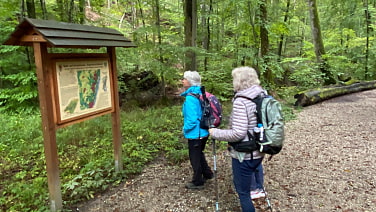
[85, 153]
[21, 96]
[18, 88]
[218, 80]
[302, 72]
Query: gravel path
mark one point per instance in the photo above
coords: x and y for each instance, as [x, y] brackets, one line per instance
[327, 164]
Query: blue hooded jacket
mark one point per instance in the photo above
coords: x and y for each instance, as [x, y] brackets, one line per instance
[192, 114]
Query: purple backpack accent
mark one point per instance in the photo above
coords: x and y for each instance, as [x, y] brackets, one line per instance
[216, 107]
[211, 109]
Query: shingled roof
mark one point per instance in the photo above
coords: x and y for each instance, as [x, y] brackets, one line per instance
[65, 35]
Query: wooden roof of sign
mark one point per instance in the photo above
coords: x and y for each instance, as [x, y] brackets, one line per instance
[65, 35]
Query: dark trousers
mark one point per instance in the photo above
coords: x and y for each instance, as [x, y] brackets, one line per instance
[198, 161]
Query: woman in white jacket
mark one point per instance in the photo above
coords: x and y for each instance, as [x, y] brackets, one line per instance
[243, 119]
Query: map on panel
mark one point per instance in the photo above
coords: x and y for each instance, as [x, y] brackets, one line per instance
[82, 87]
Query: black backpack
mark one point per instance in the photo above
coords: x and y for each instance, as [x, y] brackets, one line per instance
[211, 109]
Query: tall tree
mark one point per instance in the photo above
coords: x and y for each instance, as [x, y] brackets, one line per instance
[282, 35]
[368, 27]
[190, 32]
[30, 7]
[158, 25]
[61, 10]
[44, 10]
[318, 42]
[71, 11]
[264, 40]
[205, 21]
[81, 8]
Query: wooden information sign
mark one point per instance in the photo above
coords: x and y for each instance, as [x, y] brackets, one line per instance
[72, 87]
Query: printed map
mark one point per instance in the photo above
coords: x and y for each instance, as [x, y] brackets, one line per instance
[88, 83]
[83, 87]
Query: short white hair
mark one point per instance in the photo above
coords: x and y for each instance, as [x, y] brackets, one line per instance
[244, 77]
[193, 78]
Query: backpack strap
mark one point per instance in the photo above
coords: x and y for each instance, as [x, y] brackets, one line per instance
[258, 102]
[248, 133]
[195, 95]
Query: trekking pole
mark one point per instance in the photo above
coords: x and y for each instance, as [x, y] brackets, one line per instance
[267, 195]
[215, 177]
[267, 200]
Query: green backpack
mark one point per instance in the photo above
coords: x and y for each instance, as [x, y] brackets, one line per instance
[270, 133]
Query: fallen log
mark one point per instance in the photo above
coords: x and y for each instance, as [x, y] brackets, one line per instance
[310, 97]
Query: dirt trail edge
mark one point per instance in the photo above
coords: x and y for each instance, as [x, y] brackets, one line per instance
[327, 164]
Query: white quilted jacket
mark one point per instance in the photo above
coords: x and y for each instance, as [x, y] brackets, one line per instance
[242, 118]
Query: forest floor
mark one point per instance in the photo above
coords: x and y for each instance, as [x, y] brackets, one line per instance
[327, 164]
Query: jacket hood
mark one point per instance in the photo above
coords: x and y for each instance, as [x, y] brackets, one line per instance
[251, 92]
[192, 89]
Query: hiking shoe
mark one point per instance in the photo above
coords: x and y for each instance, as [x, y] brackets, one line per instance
[258, 193]
[206, 178]
[190, 185]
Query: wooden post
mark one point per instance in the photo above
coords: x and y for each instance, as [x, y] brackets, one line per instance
[116, 131]
[48, 124]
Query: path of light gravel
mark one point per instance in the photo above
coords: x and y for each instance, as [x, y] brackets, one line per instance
[327, 164]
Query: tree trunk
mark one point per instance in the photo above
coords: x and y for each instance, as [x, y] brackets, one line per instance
[44, 10]
[61, 10]
[256, 43]
[81, 8]
[30, 7]
[190, 32]
[142, 19]
[282, 36]
[264, 34]
[368, 25]
[318, 42]
[311, 97]
[264, 39]
[71, 11]
[158, 25]
[207, 10]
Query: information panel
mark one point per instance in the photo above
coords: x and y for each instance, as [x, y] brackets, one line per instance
[84, 87]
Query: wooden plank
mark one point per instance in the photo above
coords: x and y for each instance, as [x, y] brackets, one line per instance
[52, 56]
[65, 42]
[116, 132]
[32, 38]
[58, 33]
[48, 125]
[69, 26]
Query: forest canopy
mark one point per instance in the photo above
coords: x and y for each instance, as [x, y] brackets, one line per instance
[294, 45]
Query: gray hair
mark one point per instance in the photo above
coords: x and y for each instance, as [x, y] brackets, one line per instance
[193, 78]
[244, 77]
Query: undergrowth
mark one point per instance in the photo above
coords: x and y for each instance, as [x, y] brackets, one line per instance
[85, 152]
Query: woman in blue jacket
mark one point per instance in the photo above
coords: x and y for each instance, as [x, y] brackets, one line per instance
[196, 136]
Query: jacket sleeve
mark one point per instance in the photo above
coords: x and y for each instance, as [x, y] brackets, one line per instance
[239, 124]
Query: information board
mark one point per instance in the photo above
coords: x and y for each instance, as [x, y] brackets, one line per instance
[83, 88]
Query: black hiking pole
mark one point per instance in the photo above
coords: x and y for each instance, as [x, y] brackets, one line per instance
[215, 177]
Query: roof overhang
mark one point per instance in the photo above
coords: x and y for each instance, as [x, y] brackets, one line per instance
[65, 35]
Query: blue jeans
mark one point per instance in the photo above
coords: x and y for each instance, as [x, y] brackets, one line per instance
[242, 174]
[258, 179]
